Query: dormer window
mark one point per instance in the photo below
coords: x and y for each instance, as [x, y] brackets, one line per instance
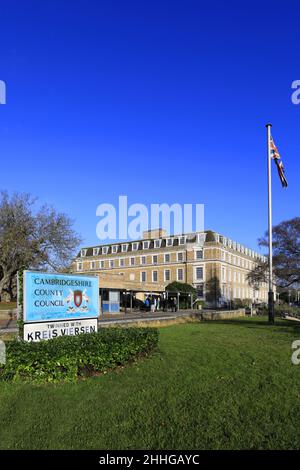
[135, 246]
[115, 249]
[95, 251]
[146, 245]
[157, 243]
[169, 242]
[104, 250]
[181, 240]
[124, 248]
[83, 252]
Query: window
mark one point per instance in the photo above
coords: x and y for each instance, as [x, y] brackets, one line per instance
[132, 261]
[124, 248]
[122, 262]
[200, 290]
[79, 266]
[143, 259]
[135, 246]
[181, 240]
[104, 250]
[115, 249]
[223, 255]
[154, 259]
[229, 276]
[234, 276]
[223, 275]
[95, 251]
[111, 263]
[199, 254]
[83, 252]
[199, 272]
[229, 258]
[143, 276]
[167, 257]
[93, 264]
[167, 275]
[154, 276]
[169, 242]
[179, 274]
[180, 256]
[239, 277]
[101, 264]
[146, 245]
[157, 243]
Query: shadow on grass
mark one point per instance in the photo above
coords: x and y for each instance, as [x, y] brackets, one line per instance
[254, 322]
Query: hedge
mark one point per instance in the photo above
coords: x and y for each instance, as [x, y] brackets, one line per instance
[68, 357]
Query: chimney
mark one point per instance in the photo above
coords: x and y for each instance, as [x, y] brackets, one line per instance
[155, 233]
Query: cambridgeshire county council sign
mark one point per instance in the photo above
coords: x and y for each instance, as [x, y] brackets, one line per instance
[59, 304]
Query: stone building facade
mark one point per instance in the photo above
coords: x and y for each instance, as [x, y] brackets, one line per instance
[150, 264]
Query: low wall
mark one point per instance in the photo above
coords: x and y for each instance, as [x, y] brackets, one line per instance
[220, 314]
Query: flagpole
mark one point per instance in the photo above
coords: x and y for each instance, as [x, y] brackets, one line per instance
[271, 294]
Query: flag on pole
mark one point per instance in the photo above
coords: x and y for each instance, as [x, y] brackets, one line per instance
[276, 157]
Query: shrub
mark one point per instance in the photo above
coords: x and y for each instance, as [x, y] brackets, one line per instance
[68, 357]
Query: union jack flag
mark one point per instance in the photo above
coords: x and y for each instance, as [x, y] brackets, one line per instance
[276, 157]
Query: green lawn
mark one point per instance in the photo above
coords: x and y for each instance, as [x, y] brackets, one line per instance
[213, 385]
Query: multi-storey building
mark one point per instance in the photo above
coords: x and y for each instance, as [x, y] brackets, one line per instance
[150, 264]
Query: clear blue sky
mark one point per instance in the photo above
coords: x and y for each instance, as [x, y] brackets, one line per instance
[161, 101]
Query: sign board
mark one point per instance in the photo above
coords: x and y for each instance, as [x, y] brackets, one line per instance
[49, 330]
[56, 297]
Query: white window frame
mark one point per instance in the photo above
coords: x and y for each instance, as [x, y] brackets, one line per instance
[177, 256]
[111, 263]
[165, 277]
[95, 251]
[130, 261]
[196, 251]
[79, 263]
[182, 240]
[195, 273]
[177, 276]
[135, 246]
[104, 250]
[124, 247]
[157, 243]
[146, 244]
[169, 255]
[114, 249]
[121, 262]
[141, 276]
[154, 262]
[169, 240]
[153, 276]
[93, 265]
[83, 252]
[102, 264]
[141, 260]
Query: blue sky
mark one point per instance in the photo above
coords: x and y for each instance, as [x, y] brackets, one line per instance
[160, 101]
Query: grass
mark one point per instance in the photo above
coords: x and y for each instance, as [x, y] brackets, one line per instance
[212, 385]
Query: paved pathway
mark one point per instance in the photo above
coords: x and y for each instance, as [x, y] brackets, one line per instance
[8, 322]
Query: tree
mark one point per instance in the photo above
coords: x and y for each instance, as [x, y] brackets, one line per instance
[286, 256]
[213, 291]
[182, 287]
[32, 238]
